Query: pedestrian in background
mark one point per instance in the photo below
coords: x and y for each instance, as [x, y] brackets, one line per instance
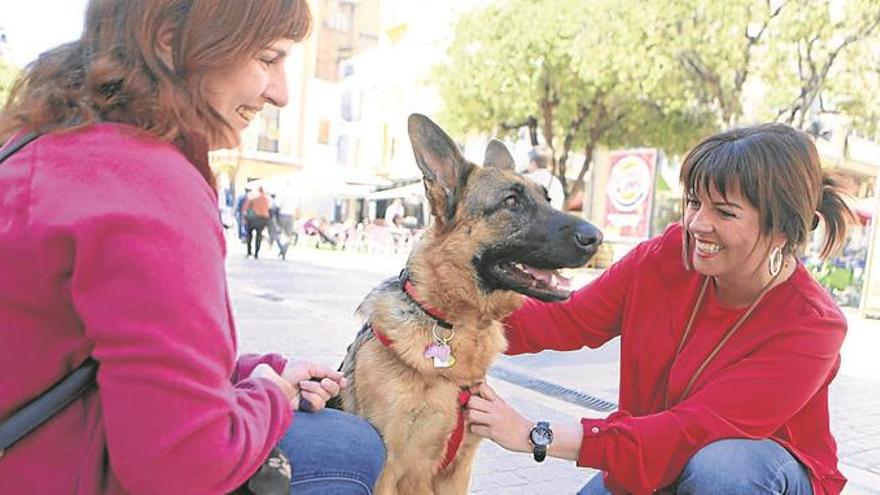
[286, 225]
[239, 214]
[728, 345]
[394, 213]
[256, 211]
[537, 172]
[112, 248]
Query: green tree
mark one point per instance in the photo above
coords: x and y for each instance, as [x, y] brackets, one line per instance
[8, 74]
[660, 73]
[552, 67]
[789, 58]
[816, 56]
[715, 46]
[853, 90]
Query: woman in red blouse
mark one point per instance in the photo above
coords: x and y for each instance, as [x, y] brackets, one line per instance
[728, 345]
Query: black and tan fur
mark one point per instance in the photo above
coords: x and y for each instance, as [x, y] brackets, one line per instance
[484, 218]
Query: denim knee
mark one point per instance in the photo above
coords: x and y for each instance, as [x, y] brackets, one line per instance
[743, 466]
[333, 452]
[596, 486]
[366, 444]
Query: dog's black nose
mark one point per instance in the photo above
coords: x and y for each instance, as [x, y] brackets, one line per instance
[587, 236]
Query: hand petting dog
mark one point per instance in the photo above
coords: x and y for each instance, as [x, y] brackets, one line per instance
[308, 386]
[491, 417]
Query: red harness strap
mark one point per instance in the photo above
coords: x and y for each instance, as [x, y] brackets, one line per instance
[381, 337]
[453, 442]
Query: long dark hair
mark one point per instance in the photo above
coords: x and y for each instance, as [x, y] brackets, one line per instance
[114, 72]
[777, 168]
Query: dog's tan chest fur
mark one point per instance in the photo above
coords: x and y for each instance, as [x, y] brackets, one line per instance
[412, 403]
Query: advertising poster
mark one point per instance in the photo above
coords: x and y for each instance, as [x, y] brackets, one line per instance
[629, 193]
[871, 297]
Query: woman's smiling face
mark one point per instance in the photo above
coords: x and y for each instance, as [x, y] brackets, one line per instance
[239, 93]
[726, 232]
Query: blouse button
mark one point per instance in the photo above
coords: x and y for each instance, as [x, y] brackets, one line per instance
[595, 429]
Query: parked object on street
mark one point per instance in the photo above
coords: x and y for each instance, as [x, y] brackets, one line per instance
[431, 334]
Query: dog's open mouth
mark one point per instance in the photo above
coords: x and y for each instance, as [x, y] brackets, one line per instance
[541, 283]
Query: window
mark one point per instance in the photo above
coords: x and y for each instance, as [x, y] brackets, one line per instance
[346, 106]
[337, 21]
[268, 137]
[351, 105]
[342, 150]
[324, 132]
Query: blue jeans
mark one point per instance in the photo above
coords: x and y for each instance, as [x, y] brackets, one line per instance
[333, 452]
[734, 466]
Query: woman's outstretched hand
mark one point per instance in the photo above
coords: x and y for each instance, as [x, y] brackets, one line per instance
[308, 386]
[491, 417]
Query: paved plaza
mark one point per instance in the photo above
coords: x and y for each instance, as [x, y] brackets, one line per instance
[304, 307]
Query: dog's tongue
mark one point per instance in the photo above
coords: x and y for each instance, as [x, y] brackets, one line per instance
[549, 278]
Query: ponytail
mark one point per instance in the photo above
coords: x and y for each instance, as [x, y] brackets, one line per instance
[836, 213]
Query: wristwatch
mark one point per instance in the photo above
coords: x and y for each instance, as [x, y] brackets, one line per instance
[540, 437]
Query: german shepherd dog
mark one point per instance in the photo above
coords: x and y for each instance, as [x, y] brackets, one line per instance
[432, 333]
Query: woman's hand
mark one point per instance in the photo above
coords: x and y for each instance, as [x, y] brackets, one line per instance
[308, 386]
[316, 383]
[493, 418]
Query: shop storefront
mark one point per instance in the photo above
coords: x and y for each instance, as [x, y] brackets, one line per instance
[855, 163]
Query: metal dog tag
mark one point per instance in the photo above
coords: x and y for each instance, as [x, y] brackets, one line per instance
[441, 354]
[447, 363]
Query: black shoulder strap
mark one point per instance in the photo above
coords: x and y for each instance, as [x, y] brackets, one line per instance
[60, 395]
[12, 148]
[41, 409]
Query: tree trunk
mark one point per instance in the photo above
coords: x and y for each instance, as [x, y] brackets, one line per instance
[573, 128]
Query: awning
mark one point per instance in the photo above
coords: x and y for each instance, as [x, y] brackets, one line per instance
[302, 185]
[415, 189]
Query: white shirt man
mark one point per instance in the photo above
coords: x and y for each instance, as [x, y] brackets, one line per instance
[537, 172]
[394, 211]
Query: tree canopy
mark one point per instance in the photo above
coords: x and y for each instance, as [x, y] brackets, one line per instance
[661, 73]
[8, 74]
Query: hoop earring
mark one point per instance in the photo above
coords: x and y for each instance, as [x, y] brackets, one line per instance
[775, 262]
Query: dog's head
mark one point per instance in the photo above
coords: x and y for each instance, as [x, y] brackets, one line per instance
[504, 223]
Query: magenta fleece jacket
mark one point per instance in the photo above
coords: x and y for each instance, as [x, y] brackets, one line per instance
[111, 246]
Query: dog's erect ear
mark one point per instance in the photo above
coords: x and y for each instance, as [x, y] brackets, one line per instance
[498, 157]
[443, 167]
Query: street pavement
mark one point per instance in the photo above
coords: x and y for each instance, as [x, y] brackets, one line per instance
[304, 307]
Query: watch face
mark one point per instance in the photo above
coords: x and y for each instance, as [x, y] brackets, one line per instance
[541, 435]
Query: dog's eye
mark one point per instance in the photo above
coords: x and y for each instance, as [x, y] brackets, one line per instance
[511, 201]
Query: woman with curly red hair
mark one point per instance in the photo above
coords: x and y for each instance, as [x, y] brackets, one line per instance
[112, 248]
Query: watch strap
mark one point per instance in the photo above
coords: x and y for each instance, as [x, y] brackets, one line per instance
[540, 451]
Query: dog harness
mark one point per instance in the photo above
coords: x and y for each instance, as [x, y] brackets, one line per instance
[453, 442]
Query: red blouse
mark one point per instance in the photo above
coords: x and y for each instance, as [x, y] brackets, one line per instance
[770, 380]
